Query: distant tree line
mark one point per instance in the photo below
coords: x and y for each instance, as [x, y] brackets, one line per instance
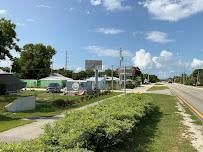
[196, 78]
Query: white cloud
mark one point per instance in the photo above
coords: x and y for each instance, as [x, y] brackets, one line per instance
[111, 5]
[30, 20]
[166, 54]
[20, 24]
[3, 12]
[96, 2]
[196, 63]
[109, 31]
[158, 37]
[142, 59]
[5, 63]
[43, 6]
[78, 69]
[100, 51]
[173, 10]
[164, 65]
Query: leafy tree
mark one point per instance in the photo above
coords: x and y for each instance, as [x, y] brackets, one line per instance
[8, 39]
[152, 78]
[89, 73]
[197, 75]
[5, 69]
[35, 61]
[107, 72]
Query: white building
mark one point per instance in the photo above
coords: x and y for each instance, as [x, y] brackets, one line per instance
[101, 82]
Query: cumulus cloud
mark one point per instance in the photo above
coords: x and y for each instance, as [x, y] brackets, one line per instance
[164, 60]
[158, 37]
[164, 65]
[109, 31]
[111, 5]
[173, 10]
[166, 54]
[142, 59]
[101, 51]
[196, 63]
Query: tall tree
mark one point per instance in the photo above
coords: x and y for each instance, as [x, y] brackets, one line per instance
[8, 39]
[35, 61]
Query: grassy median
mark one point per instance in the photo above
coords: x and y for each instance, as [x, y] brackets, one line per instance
[156, 88]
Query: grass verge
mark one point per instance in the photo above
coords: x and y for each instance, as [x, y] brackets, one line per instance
[156, 88]
[161, 131]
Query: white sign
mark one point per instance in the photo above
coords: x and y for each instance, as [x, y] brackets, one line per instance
[75, 86]
[93, 64]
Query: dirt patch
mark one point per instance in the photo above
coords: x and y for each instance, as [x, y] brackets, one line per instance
[193, 131]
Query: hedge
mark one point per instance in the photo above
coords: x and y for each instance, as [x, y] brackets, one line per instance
[96, 128]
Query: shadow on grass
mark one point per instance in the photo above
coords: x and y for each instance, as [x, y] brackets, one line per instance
[142, 135]
[6, 118]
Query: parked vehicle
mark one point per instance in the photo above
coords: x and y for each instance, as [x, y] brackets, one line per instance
[170, 81]
[54, 88]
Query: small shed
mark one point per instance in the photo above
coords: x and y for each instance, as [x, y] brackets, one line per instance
[101, 82]
[9, 83]
[116, 81]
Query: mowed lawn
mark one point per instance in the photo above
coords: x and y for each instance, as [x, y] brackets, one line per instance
[45, 107]
[161, 131]
[156, 88]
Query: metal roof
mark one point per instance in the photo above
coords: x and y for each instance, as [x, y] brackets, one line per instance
[56, 76]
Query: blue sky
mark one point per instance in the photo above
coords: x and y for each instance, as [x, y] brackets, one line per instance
[163, 37]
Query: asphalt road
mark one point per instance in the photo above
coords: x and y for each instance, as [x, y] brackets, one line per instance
[192, 95]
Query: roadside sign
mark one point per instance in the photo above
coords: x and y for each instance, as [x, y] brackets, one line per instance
[93, 64]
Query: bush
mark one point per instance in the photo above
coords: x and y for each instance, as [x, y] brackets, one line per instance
[97, 128]
[2, 89]
[130, 86]
[61, 103]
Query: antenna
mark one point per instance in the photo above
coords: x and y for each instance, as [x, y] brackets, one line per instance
[66, 63]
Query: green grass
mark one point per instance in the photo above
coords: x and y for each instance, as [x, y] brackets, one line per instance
[156, 88]
[8, 122]
[193, 116]
[161, 131]
[159, 84]
[45, 107]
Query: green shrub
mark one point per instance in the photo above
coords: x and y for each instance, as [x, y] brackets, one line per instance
[97, 128]
[61, 103]
[2, 89]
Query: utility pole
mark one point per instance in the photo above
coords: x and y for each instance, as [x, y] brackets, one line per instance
[197, 78]
[66, 63]
[125, 80]
[120, 68]
[148, 78]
